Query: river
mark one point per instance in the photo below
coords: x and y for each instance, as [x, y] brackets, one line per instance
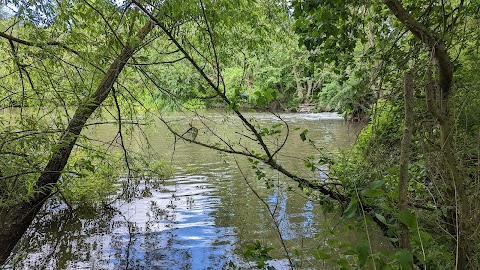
[204, 216]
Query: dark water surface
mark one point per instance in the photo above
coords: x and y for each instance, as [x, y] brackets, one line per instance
[203, 217]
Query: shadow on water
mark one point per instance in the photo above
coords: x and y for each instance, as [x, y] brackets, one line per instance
[200, 218]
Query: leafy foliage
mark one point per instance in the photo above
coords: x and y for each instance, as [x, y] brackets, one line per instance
[259, 253]
[351, 59]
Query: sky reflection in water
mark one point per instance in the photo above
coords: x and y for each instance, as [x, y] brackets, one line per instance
[199, 219]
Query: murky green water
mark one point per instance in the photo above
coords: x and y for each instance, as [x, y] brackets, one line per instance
[202, 217]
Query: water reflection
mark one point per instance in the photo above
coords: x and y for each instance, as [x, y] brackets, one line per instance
[174, 228]
[200, 218]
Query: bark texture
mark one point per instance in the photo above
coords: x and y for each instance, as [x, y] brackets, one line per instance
[16, 220]
[405, 158]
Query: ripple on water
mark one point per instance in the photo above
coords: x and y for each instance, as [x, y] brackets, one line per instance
[173, 228]
[194, 220]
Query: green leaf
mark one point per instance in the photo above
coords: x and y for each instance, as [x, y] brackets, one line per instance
[351, 209]
[377, 183]
[261, 101]
[350, 252]
[405, 259]
[363, 251]
[425, 238]
[407, 218]
[303, 135]
[343, 264]
[277, 125]
[373, 193]
[381, 218]
[321, 255]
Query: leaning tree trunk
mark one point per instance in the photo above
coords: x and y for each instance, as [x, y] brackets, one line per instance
[438, 106]
[16, 220]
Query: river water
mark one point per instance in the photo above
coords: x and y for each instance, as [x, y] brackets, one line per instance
[204, 216]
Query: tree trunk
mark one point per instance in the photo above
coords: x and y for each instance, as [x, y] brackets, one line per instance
[465, 245]
[299, 85]
[309, 90]
[438, 106]
[405, 158]
[16, 220]
[251, 78]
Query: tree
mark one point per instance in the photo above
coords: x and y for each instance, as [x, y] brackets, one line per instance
[17, 214]
[85, 55]
[434, 34]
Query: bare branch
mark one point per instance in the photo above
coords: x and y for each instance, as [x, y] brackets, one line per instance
[120, 133]
[158, 62]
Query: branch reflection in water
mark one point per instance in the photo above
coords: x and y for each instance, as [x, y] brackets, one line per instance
[202, 217]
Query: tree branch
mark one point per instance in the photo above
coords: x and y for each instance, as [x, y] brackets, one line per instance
[436, 45]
